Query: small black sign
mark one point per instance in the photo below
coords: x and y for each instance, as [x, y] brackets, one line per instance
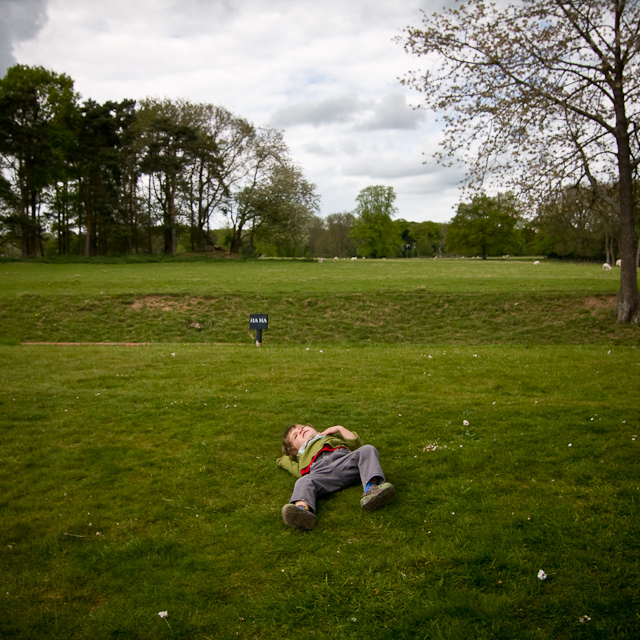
[259, 321]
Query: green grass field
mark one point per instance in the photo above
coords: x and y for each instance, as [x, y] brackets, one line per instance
[141, 479]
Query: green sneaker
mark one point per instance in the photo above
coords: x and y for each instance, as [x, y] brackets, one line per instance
[378, 496]
[298, 517]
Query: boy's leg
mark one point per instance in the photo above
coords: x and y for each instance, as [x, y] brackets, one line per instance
[305, 490]
[364, 464]
[377, 492]
[300, 511]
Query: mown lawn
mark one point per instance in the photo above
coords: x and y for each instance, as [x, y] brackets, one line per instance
[141, 479]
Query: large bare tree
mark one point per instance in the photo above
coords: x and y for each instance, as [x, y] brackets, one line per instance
[540, 94]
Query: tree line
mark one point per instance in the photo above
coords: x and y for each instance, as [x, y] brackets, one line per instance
[150, 177]
[124, 177]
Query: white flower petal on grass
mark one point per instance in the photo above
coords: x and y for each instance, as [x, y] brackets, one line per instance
[585, 618]
[163, 614]
[465, 423]
[542, 575]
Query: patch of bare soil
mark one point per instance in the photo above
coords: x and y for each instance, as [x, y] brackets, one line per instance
[164, 303]
[594, 304]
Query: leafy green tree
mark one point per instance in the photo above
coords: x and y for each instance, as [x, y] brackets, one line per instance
[170, 140]
[340, 242]
[539, 95]
[317, 244]
[36, 108]
[408, 246]
[576, 222]
[98, 164]
[429, 236]
[373, 229]
[420, 238]
[486, 226]
[222, 151]
[280, 209]
[331, 236]
[268, 190]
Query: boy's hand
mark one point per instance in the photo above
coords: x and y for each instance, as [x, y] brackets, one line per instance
[345, 433]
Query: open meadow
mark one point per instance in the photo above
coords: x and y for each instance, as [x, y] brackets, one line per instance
[502, 396]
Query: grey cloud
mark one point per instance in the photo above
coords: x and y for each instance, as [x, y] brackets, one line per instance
[392, 112]
[318, 149]
[19, 20]
[338, 109]
[386, 167]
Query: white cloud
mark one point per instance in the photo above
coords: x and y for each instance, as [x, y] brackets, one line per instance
[325, 72]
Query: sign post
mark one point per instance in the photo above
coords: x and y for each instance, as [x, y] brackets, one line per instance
[259, 321]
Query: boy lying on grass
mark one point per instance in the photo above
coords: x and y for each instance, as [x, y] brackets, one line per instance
[327, 462]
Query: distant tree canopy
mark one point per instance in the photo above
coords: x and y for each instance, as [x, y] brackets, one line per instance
[486, 227]
[121, 177]
[421, 238]
[37, 109]
[373, 229]
[575, 222]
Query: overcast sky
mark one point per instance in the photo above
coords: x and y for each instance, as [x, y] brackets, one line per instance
[324, 71]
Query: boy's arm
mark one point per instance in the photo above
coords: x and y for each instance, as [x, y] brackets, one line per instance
[292, 466]
[353, 439]
[341, 431]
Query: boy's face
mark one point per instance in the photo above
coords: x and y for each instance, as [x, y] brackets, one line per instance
[300, 434]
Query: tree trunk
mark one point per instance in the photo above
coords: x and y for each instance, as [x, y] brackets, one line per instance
[608, 249]
[89, 227]
[24, 234]
[628, 307]
[236, 241]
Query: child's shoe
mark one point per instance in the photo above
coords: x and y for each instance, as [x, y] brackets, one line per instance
[298, 517]
[377, 496]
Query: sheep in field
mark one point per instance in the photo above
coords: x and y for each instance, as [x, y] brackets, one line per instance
[320, 259]
[537, 262]
[606, 267]
[618, 262]
[335, 259]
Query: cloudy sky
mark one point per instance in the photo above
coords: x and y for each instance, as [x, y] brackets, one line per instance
[324, 71]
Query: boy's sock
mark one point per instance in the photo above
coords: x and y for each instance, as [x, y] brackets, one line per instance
[378, 496]
[374, 482]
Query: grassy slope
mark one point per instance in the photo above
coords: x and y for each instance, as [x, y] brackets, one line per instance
[415, 302]
[167, 452]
